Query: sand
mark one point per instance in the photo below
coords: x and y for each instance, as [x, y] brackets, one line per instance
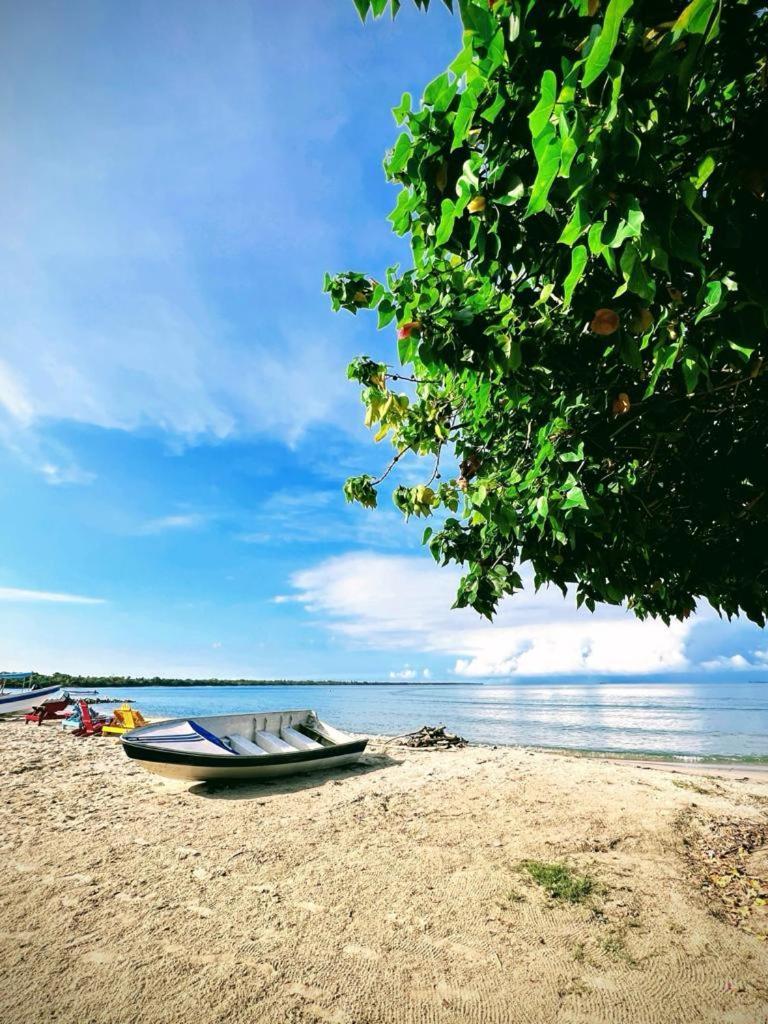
[388, 893]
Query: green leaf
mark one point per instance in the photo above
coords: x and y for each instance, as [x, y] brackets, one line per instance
[635, 278]
[478, 19]
[691, 199]
[603, 47]
[386, 313]
[497, 53]
[745, 351]
[463, 60]
[407, 348]
[492, 111]
[546, 292]
[400, 155]
[516, 191]
[548, 167]
[634, 218]
[447, 220]
[577, 456]
[574, 498]
[569, 150]
[439, 92]
[594, 238]
[514, 26]
[621, 226]
[704, 170]
[694, 19]
[576, 226]
[579, 259]
[401, 215]
[616, 74]
[691, 370]
[404, 107]
[539, 117]
[713, 297]
[464, 115]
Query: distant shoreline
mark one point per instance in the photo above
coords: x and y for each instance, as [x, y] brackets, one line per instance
[285, 682]
[61, 679]
[76, 682]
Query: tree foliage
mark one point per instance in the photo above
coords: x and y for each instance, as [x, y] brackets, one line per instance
[586, 316]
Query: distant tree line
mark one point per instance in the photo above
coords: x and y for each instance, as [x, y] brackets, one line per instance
[65, 680]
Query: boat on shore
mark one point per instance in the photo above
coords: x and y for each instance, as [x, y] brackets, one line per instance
[257, 745]
[14, 702]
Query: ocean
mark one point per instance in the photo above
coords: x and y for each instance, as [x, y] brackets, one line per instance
[692, 720]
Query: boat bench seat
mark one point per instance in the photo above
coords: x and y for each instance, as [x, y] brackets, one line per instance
[298, 740]
[288, 742]
[242, 745]
[272, 744]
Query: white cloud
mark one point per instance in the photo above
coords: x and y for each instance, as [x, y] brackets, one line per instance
[407, 672]
[70, 474]
[403, 603]
[12, 397]
[52, 597]
[45, 456]
[181, 521]
[404, 673]
[733, 661]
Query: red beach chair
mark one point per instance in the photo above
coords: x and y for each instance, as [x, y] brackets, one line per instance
[90, 725]
[52, 710]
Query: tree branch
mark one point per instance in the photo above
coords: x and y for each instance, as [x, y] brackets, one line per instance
[390, 467]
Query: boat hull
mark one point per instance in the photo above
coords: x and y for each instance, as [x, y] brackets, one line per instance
[15, 703]
[255, 771]
[171, 755]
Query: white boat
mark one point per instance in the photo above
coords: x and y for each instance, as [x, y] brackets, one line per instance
[15, 701]
[258, 745]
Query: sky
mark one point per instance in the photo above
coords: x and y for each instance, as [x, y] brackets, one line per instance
[175, 420]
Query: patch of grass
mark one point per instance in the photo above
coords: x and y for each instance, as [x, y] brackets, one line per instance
[616, 947]
[579, 952]
[560, 881]
[513, 896]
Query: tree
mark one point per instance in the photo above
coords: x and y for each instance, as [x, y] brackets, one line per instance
[586, 318]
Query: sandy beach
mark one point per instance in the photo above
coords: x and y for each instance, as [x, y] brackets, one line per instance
[390, 892]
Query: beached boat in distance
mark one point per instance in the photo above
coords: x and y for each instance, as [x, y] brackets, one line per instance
[252, 746]
[13, 702]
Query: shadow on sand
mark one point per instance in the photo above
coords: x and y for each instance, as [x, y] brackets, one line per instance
[246, 790]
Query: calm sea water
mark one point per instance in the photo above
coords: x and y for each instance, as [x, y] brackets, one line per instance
[700, 720]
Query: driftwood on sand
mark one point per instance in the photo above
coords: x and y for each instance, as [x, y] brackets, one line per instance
[434, 737]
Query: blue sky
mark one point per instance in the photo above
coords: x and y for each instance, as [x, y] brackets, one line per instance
[175, 423]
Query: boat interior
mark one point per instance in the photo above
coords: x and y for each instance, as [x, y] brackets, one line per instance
[276, 732]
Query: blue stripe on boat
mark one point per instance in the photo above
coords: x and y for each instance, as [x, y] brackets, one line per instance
[25, 694]
[168, 739]
[210, 736]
